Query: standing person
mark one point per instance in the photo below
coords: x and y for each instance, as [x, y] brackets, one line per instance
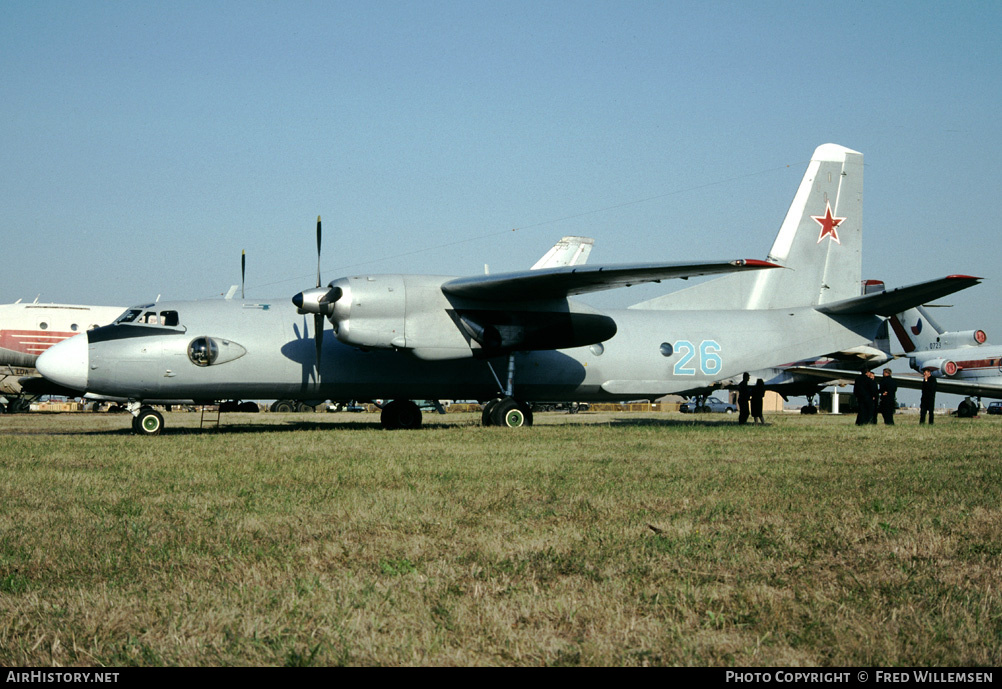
[744, 396]
[863, 393]
[871, 379]
[888, 397]
[928, 396]
[757, 394]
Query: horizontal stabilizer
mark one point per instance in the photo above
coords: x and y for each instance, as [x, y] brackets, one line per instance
[898, 300]
[914, 382]
[557, 283]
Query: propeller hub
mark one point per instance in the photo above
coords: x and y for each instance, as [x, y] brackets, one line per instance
[308, 301]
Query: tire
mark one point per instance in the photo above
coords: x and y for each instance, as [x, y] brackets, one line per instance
[511, 413]
[283, 407]
[400, 414]
[485, 416]
[148, 422]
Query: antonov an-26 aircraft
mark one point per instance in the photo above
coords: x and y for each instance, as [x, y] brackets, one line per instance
[508, 338]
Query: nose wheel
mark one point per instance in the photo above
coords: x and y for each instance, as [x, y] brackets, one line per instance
[147, 421]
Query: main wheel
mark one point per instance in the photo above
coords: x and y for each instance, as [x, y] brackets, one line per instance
[400, 414]
[485, 416]
[148, 422]
[511, 413]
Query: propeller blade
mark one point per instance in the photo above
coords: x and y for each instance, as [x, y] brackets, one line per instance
[243, 271]
[318, 318]
[318, 329]
[332, 295]
[318, 251]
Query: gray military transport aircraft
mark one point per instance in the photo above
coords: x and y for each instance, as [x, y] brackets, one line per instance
[508, 338]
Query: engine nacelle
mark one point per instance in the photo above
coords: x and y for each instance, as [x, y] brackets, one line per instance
[963, 338]
[371, 311]
[411, 313]
[939, 367]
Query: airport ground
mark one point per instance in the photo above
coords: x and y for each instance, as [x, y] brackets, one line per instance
[588, 539]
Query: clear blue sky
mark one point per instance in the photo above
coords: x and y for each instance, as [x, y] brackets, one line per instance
[143, 145]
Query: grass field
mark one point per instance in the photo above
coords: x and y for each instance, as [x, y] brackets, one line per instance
[594, 539]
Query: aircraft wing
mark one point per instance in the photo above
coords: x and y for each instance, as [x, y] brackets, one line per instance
[900, 299]
[556, 283]
[914, 382]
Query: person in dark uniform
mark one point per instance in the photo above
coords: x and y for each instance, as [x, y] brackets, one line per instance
[967, 409]
[757, 395]
[888, 395]
[863, 390]
[875, 389]
[928, 401]
[744, 397]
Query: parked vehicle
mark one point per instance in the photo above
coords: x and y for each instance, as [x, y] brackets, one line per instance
[995, 407]
[710, 404]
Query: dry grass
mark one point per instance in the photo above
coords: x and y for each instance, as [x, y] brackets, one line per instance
[589, 540]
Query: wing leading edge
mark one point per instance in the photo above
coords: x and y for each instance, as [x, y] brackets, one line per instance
[558, 283]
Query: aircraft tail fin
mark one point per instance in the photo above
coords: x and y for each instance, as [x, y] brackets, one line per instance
[819, 243]
[917, 330]
[569, 251]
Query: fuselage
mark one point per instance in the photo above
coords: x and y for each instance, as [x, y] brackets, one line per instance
[265, 349]
[27, 330]
[978, 364]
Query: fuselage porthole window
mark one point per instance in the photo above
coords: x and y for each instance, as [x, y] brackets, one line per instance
[203, 351]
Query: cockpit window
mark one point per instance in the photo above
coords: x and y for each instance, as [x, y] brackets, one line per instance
[128, 316]
[139, 316]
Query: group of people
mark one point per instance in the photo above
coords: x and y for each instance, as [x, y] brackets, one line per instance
[750, 400]
[873, 397]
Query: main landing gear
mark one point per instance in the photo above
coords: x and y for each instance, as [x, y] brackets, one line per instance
[506, 411]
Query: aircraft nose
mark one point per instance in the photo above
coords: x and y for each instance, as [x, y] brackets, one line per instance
[67, 362]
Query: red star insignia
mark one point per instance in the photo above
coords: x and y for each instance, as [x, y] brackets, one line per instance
[828, 223]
